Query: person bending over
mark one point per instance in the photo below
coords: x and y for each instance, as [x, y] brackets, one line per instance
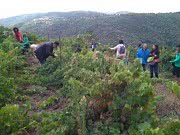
[45, 51]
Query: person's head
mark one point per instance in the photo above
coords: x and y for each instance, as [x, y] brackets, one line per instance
[121, 42]
[24, 35]
[155, 47]
[93, 40]
[139, 46]
[178, 49]
[15, 29]
[145, 46]
[56, 44]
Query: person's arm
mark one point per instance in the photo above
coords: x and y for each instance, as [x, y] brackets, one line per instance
[176, 59]
[156, 54]
[114, 48]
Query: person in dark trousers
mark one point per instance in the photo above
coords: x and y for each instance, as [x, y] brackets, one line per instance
[26, 41]
[94, 45]
[176, 63]
[143, 53]
[26, 44]
[154, 68]
[45, 50]
[18, 35]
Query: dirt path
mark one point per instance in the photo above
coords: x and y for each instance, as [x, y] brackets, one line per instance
[39, 97]
[169, 104]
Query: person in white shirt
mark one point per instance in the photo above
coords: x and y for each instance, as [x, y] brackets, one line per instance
[33, 48]
[120, 50]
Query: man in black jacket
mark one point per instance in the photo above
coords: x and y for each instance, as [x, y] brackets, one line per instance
[45, 50]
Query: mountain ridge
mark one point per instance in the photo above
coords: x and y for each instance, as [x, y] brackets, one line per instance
[161, 28]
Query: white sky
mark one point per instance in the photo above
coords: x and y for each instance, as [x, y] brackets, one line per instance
[16, 7]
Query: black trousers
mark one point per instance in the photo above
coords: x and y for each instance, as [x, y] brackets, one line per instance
[154, 69]
[144, 67]
[176, 71]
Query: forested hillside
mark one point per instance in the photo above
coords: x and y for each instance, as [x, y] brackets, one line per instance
[163, 28]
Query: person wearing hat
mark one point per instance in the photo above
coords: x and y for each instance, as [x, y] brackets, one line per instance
[45, 50]
[176, 63]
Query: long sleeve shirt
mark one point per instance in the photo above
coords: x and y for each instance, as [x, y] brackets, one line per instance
[44, 51]
[177, 60]
[117, 48]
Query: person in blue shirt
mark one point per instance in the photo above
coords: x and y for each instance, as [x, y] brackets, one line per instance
[138, 55]
[143, 53]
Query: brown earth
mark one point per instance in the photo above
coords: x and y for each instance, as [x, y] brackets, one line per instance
[169, 104]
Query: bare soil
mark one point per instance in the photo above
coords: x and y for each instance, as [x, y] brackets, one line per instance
[169, 104]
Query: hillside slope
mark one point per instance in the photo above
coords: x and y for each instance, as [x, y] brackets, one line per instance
[133, 28]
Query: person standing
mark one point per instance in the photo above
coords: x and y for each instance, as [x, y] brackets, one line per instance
[138, 55]
[120, 50]
[26, 44]
[176, 63]
[94, 45]
[18, 35]
[26, 41]
[143, 53]
[154, 68]
[45, 51]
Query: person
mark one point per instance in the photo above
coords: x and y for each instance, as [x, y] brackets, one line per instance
[45, 51]
[26, 43]
[18, 35]
[120, 50]
[176, 63]
[34, 48]
[93, 44]
[154, 68]
[144, 54]
[138, 55]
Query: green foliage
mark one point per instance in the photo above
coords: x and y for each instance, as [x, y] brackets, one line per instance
[50, 101]
[175, 88]
[35, 90]
[97, 87]
[104, 96]
[133, 28]
[13, 120]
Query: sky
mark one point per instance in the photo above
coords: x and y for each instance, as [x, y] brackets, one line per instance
[18, 7]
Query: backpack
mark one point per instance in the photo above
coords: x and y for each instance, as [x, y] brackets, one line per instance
[122, 49]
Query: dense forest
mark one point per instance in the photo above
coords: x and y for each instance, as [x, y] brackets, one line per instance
[162, 28]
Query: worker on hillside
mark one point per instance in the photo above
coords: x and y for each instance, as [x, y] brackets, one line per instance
[33, 48]
[46, 50]
[94, 45]
[26, 44]
[138, 55]
[18, 35]
[176, 63]
[154, 68]
[120, 50]
[143, 53]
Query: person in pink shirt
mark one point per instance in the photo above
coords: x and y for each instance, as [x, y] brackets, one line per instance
[120, 50]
